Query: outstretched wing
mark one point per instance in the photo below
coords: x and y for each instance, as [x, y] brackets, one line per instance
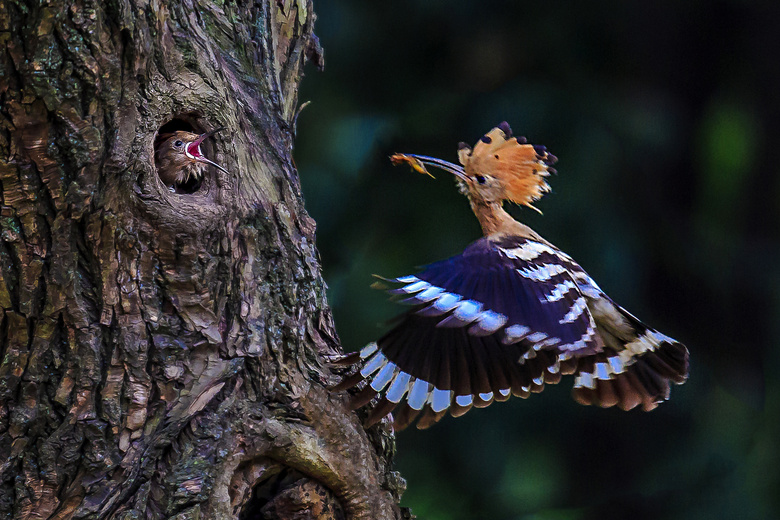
[500, 319]
[637, 364]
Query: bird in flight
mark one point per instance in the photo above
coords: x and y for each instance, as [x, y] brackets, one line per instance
[508, 315]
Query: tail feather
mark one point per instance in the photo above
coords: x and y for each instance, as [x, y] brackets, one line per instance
[636, 365]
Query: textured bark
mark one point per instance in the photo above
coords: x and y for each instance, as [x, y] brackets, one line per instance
[162, 353]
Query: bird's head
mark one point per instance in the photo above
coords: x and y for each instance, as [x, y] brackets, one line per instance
[180, 151]
[499, 167]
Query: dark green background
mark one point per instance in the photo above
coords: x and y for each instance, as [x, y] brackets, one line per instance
[666, 119]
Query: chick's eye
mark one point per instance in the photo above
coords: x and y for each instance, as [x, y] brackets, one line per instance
[178, 143]
[480, 179]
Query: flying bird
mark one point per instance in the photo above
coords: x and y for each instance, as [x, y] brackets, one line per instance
[508, 315]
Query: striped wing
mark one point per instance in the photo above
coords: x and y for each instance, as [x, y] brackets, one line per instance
[500, 319]
[637, 363]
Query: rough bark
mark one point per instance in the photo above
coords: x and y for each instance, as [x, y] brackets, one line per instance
[162, 353]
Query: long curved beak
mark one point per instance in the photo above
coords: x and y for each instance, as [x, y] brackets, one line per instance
[418, 163]
[203, 159]
[203, 137]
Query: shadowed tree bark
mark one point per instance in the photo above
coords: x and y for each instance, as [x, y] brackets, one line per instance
[162, 353]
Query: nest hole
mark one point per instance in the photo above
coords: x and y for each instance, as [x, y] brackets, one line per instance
[185, 123]
[276, 496]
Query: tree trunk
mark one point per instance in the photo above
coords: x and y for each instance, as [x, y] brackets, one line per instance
[162, 352]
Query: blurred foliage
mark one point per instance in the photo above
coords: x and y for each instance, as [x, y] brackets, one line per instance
[665, 118]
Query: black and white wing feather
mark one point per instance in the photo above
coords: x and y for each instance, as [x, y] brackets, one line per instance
[504, 318]
[498, 320]
[637, 363]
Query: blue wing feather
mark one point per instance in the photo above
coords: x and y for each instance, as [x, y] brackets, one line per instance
[465, 348]
[512, 316]
[485, 274]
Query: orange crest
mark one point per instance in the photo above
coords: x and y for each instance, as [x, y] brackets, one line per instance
[521, 168]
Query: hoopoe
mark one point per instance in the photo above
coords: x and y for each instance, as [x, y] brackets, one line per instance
[179, 157]
[508, 315]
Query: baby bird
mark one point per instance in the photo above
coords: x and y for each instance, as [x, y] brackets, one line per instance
[509, 314]
[179, 157]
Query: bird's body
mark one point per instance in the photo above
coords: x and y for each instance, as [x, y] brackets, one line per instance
[179, 158]
[509, 314]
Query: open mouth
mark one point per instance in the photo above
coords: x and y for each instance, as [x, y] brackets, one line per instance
[193, 149]
[194, 152]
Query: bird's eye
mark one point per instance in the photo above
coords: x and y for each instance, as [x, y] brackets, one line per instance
[178, 143]
[480, 179]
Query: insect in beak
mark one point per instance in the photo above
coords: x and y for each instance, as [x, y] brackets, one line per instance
[418, 163]
[192, 150]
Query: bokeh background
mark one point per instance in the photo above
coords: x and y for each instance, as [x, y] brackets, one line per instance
[666, 119]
